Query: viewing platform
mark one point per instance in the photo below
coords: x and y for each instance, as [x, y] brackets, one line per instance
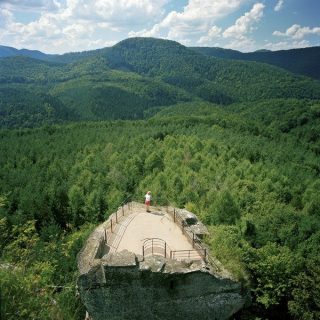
[162, 232]
[154, 265]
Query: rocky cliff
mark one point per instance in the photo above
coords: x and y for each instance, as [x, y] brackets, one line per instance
[124, 285]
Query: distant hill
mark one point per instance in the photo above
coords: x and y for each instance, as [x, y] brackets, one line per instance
[304, 61]
[70, 57]
[35, 92]
[12, 52]
[216, 80]
[132, 80]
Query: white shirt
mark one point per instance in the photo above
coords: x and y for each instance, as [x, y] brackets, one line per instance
[148, 197]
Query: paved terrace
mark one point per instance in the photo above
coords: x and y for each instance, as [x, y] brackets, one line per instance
[136, 225]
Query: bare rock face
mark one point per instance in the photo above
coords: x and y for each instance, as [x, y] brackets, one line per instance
[124, 287]
[189, 217]
[192, 223]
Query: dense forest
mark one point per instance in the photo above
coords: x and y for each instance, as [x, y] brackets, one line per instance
[248, 167]
[132, 80]
[301, 61]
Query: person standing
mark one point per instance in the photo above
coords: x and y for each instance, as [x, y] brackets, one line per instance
[147, 201]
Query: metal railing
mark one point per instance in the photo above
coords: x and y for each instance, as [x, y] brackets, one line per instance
[191, 236]
[187, 254]
[115, 217]
[158, 246]
[155, 246]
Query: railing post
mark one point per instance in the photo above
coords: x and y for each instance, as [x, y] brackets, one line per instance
[143, 251]
[105, 235]
[165, 249]
[174, 215]
[192, 240]
[111, 226]
[205, 254]
[152, 246]
[122, 211]
[117, 216]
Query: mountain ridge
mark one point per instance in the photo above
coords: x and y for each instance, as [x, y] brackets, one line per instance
[304, 61]
[133, 79]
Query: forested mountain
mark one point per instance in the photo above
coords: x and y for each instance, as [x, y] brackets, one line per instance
[215, 80]
[305, 61]
[236, 142]
[6, 51]
[86, 90]
[134, 78]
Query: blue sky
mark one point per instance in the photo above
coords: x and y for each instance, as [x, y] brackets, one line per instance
[58, 26]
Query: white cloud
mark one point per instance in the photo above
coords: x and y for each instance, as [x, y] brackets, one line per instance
[23, 5]
[244, 45]
[175, 26]
[279, 5]
[245, 24]
[214, 33]
[285, 45]
[44, 28]
[5, 17]
[196, 19]
[75, 24]
[121, 12]
[298, 32]
[210, 9]
[78, 30]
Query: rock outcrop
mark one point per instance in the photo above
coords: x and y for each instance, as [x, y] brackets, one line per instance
[124, 285]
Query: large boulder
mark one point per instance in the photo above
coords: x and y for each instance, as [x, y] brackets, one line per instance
[123, 286]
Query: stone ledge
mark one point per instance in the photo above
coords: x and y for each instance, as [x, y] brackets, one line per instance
[122, 287]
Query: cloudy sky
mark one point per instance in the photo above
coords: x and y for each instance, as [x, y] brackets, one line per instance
[58, 26]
